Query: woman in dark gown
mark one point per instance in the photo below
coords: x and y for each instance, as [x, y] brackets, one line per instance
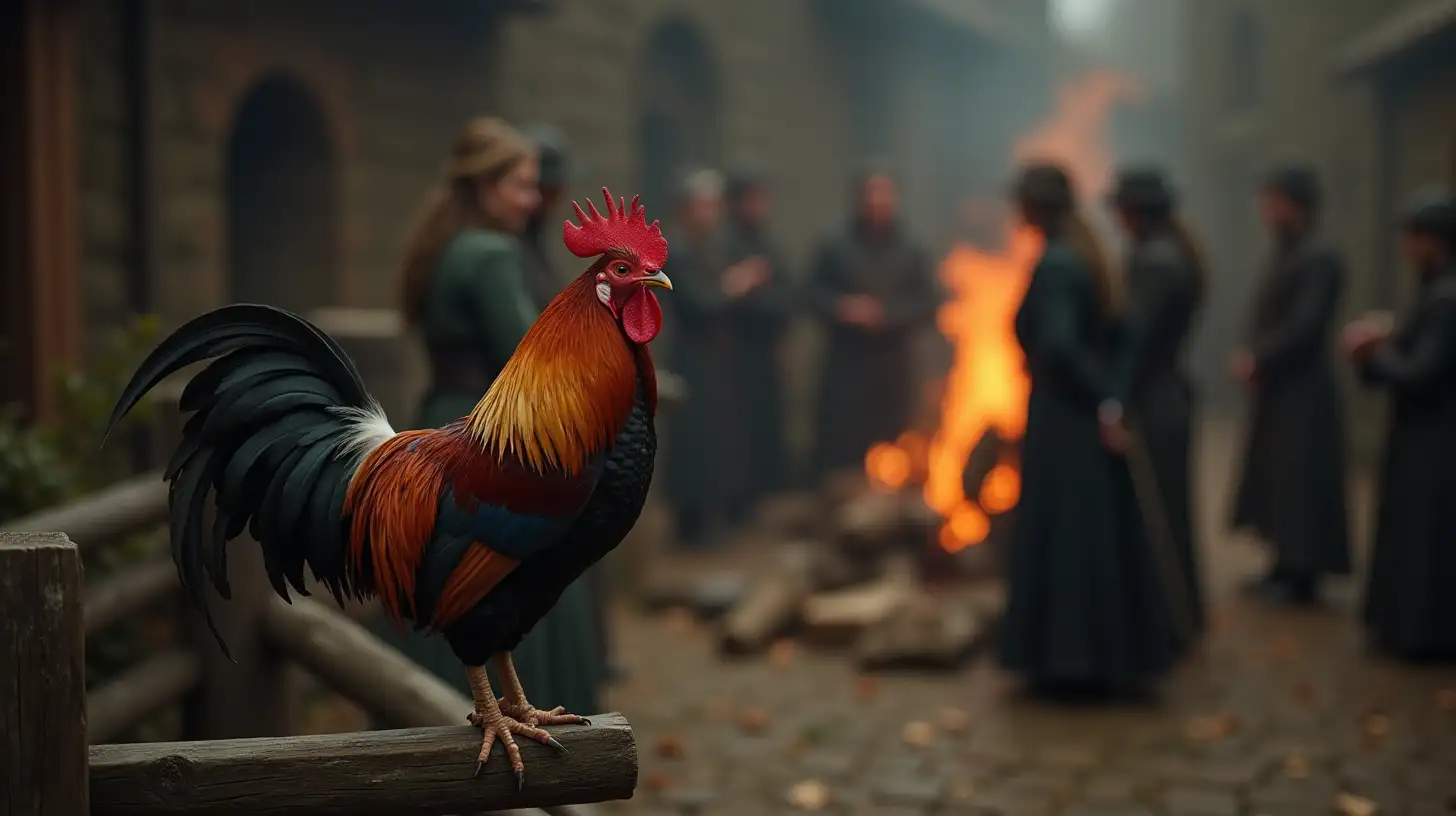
[1165, 287]
[1410, 604]
[1085, 610]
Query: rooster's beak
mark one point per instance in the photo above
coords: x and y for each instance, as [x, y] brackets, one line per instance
[657, 279]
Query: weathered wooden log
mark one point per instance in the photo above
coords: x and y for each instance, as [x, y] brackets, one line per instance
[928, 632]
[105, 516]
[841, 616]
[709, 597]
[396, 773]
[772, 606]
[128, 592]
[140, 692]
[43, 693]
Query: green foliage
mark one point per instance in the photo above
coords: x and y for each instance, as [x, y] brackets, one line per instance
[41, 465]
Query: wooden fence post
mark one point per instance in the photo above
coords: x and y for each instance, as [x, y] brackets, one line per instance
[249, 698]
[43, 760]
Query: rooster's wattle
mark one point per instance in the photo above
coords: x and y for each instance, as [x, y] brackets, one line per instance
[472, 530]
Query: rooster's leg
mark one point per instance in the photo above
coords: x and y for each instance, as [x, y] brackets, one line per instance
[514, 700]
[488, 717]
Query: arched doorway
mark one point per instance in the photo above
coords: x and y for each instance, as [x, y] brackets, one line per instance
[282, 209]
[680, 123]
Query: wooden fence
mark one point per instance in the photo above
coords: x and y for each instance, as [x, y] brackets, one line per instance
[236, 762]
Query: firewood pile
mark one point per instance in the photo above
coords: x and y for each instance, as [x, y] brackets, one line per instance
[851, 569]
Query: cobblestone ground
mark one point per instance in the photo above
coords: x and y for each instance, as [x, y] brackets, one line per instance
[1281, 712]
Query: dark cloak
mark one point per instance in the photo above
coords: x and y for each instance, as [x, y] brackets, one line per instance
[1292, 490]
[1410, 604]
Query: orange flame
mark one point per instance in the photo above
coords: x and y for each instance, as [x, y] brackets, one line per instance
[987, 387]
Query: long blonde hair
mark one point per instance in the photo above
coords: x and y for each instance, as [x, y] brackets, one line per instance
[484, 152]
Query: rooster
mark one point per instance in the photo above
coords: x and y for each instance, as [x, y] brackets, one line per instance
[471, 531]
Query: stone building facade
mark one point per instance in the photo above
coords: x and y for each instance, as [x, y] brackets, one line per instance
[276, 150]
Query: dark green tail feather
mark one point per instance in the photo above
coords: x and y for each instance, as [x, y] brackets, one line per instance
[264, 442]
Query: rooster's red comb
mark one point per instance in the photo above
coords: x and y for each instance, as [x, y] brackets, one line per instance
[624, 229]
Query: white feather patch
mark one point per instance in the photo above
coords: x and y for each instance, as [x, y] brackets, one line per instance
[368, 428]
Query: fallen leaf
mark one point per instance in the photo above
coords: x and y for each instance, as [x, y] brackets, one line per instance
[1446, 699]
[658, 781]
[954, 720]
[1211, 729]
[1296, 766]
[753, 720]
[782, 652]
[671, 747]
[866, 687]
[919, 734]
[811, 794]
[961, 789]
[1348, 804]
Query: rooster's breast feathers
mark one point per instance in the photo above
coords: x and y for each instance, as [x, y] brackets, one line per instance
[435, 523]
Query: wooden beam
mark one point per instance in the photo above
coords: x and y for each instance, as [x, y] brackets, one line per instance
[43, 693]
[140, 692]
[104, 517]
[384, 773]
[128, 592]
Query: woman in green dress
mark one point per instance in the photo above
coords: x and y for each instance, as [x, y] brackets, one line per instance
[465, 292]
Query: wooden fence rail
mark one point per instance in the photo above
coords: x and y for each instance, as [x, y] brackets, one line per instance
[46, 729]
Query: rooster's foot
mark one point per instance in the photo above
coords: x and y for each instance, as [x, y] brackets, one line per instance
[531, 715]
[498, 726]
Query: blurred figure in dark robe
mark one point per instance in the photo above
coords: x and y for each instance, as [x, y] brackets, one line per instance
[1086, 611]
[1292, 492]
[873, 287]
[703, 458]
[758, 323]
[543, 232]
[1165, 283]
[1410, 605]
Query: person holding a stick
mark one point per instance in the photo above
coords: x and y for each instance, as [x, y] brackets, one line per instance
[1087, 607]
[1166, 281]
[1410, 606]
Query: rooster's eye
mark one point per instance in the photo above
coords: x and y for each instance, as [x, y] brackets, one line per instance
[621, 269]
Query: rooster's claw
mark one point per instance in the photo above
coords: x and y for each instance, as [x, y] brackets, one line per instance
[479, 766]
[520, 781]
[551, 741]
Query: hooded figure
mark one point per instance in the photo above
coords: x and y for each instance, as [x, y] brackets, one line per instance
[1085, 607]
[1292, 491]
[757, 322]
[874, 289]
[1410, 607]
[1165, 284]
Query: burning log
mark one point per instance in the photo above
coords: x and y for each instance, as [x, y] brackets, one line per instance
[928, 632]
[772, 606]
